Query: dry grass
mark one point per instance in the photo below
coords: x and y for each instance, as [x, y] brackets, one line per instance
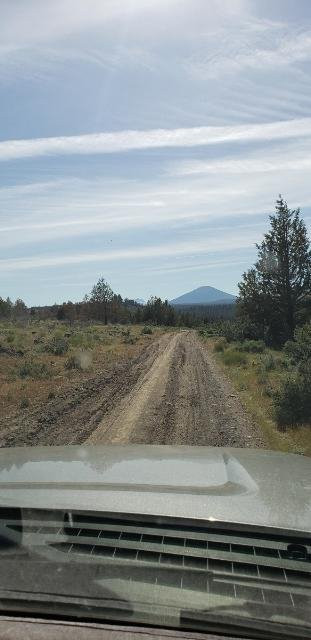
[255, 382]
[30, 374]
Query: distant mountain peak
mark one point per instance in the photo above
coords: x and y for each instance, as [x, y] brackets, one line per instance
[204, 295]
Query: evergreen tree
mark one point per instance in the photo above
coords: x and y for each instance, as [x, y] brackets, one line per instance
[19, 309]
[102, 296]
[276, 293]
[158, 312]
[5, 308]
[61, 312]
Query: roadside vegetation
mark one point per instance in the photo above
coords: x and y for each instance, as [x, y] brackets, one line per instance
[266, 348]
[261, 378]
[40, 358]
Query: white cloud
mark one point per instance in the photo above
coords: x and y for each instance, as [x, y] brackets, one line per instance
[211, 244]
[80, 208]
[290, 157]
[39, 36]
[123, 141]
[35, 21]
[251, 44]
[208, 264]
[193, 193]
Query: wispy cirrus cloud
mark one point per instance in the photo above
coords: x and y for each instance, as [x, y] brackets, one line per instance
[122, 141]
[290, 156]
[253, 45]
[36, 22]
[192, 193]
[77, 209]
[208, 264]
[211, 244]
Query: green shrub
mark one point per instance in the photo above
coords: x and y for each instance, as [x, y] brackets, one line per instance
[76, 340]
[231, 357]
[292, 403]
[58, 346]
[83, 340]
[32, 369]
[129, 339]
[253, 346]
[268, 362]
[210, 330]
[299, 349]
[261, 377]
[220, 345]
[239, 329]
[24, 403]
[284, 363]
[147, 331]
[94, 336]
[268, 390]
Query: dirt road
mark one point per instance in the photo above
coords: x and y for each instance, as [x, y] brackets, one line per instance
[180, 398]
[172, 393]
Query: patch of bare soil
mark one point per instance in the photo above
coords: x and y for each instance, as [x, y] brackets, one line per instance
[171, 393]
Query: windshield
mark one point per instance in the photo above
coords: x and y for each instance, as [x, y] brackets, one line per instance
[155, 312]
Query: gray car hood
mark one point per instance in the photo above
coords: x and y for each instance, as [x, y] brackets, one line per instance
[241, 486]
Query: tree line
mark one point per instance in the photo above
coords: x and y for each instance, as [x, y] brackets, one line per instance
[103, 305]
[12, 310]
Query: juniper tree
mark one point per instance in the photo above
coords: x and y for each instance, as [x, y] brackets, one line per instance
[276, 292]
[102, 296]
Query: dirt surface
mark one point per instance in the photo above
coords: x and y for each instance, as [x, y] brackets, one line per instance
[173, 392]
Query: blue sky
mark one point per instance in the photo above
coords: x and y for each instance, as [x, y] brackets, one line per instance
[147, 140]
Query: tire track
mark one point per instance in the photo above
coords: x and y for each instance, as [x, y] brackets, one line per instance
[172, 392]
[183, 398]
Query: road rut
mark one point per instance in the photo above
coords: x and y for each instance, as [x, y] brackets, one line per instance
[171, 392]
[182, 398]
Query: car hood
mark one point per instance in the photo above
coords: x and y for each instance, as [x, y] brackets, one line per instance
[241, 486]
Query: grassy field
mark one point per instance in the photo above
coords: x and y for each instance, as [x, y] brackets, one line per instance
[256, 376]
[42, 357]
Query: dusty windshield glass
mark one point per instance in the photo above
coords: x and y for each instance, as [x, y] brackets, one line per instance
[155, 311]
